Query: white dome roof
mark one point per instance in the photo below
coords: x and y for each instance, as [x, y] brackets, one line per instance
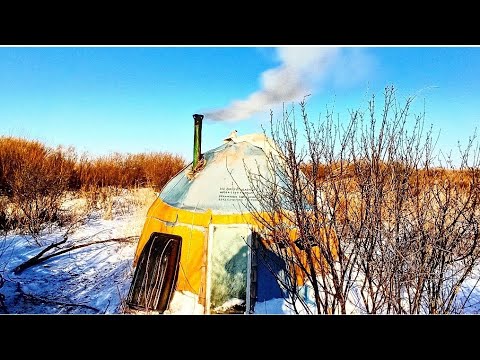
[222, 185]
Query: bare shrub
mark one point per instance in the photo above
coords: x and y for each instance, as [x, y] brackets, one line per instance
[129, 171]
[35, 178]
[368, 213]
[5, 218]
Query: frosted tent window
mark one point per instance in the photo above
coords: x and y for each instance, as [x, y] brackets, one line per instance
[242, 271]
[228, 268]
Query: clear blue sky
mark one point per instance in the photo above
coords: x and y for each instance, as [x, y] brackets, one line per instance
[134, 99]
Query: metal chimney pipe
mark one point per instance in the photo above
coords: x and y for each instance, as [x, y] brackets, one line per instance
[197, 139]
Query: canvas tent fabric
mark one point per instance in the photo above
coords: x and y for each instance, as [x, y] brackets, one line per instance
[201, 219]
[222, 185]
[208, 212]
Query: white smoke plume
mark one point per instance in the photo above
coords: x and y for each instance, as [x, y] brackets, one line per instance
[300, 69]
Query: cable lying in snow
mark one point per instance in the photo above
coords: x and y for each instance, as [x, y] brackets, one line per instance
[37, 259]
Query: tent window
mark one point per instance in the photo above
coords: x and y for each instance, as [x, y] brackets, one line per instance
[228, 269]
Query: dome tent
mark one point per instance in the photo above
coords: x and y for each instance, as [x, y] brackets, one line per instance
[199, 233]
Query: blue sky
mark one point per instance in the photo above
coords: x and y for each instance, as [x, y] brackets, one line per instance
[135, 99]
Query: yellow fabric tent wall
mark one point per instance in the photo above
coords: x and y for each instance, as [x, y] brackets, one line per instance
[215, 195]
[193, 228]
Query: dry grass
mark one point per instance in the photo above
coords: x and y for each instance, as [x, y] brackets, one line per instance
[35, 179]
[128, 170]
[428, 199]
[461, 179]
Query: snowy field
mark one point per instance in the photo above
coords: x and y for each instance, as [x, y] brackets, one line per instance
[95, 279]
[90, 280]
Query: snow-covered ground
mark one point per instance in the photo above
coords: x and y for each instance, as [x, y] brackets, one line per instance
[96, 279]
[90, 280]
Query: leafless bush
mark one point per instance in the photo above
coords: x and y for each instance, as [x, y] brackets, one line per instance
[3, 264]
[34, 179]
[364, 216]
[6, 220]
[128, 170]
[38, 186]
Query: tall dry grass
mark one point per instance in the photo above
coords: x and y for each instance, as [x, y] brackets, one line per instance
[34, 179]
[416, 179]
[128, 170]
